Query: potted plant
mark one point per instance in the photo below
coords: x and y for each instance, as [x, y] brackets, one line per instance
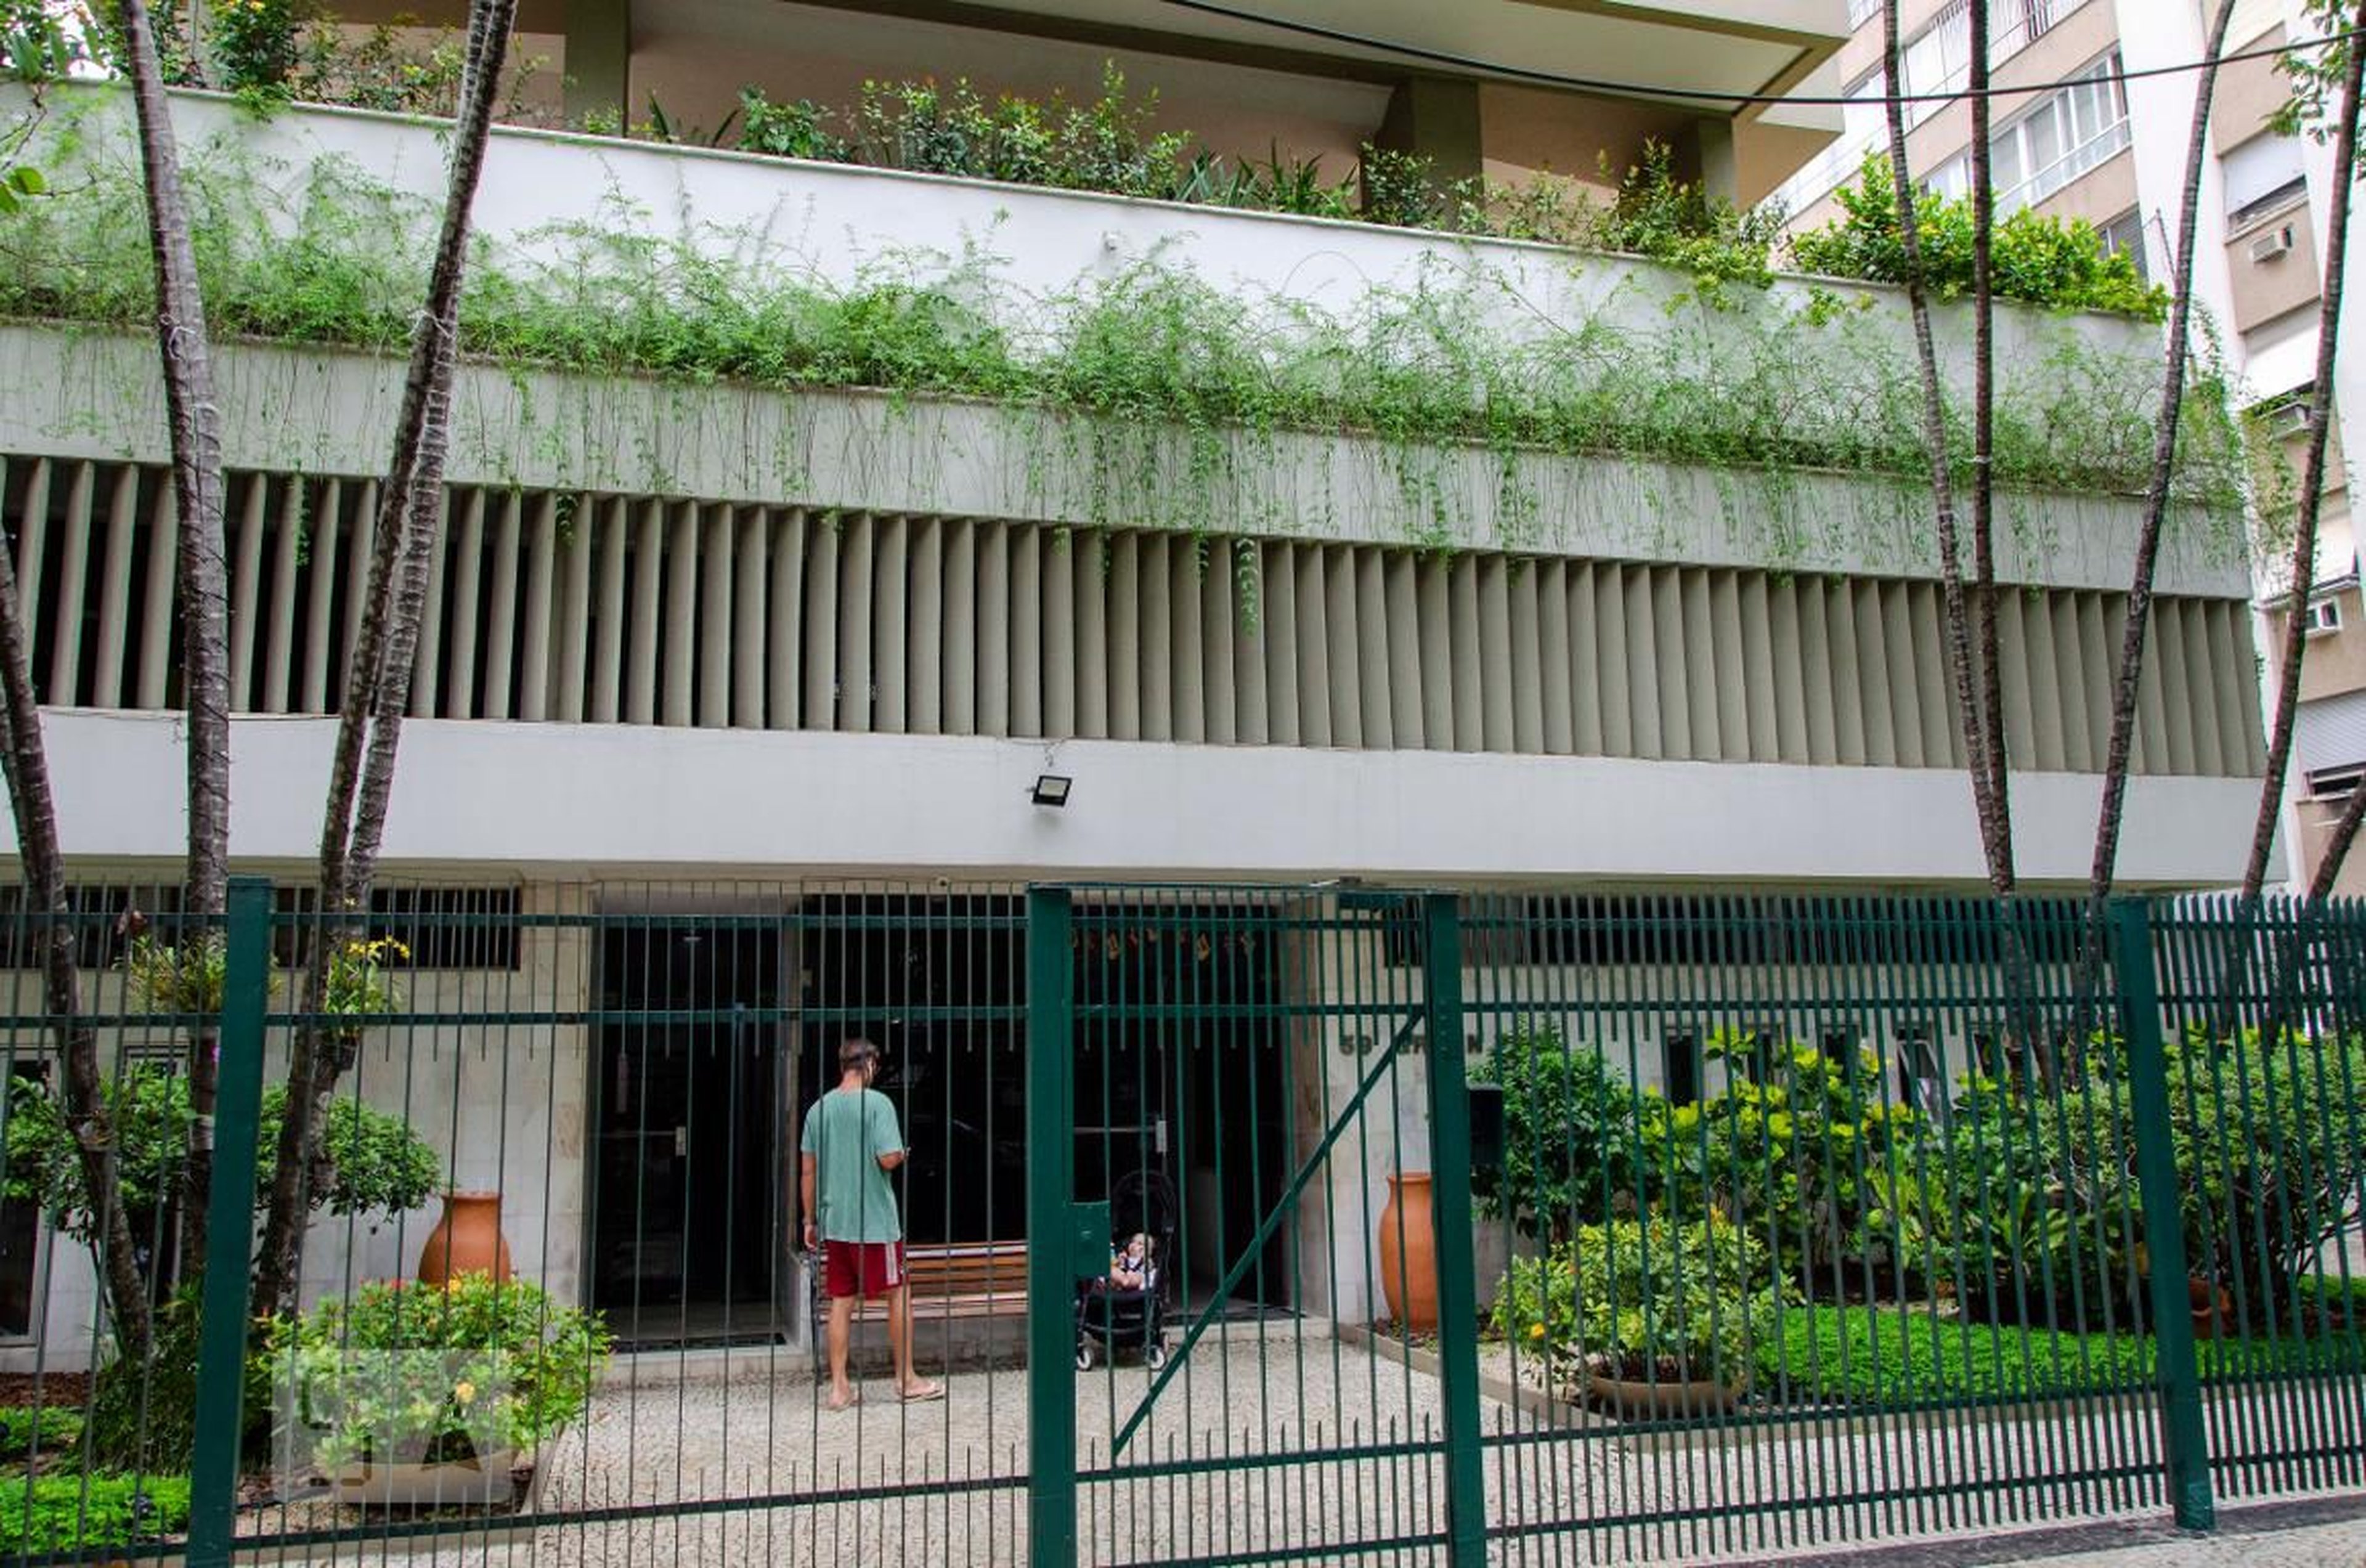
[402, 1395]
[1645, 1317]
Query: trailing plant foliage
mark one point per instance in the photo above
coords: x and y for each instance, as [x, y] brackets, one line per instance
[2040, 261]
[375, 1163]
[1462, 356]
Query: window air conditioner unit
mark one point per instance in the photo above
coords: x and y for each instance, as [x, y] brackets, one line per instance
[2276, 241]
[2324, 616]
[2288, 418]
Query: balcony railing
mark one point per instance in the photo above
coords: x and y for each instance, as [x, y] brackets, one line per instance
[2090, 153]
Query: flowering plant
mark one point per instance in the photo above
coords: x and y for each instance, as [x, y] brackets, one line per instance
[399, 1373]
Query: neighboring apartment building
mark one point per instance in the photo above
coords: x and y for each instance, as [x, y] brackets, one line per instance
[703, 647]
[2083, 146]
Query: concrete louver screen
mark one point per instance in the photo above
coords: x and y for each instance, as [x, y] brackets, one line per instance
[648, 611]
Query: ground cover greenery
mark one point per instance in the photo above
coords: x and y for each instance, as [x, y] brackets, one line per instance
[1982, 1238]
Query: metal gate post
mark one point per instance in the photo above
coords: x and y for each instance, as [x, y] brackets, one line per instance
[1457, 1290]
[1050, 1278]
[230, 1226]
[2176, 1371]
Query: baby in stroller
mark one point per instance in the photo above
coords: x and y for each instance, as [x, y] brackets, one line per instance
[1125, 1308]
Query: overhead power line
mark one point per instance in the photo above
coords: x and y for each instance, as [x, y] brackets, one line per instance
[1706, 95]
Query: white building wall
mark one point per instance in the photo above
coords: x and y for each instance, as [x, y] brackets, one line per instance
[568, 798]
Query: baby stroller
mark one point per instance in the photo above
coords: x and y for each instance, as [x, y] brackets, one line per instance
[1114, 1316]
[1117, 1318]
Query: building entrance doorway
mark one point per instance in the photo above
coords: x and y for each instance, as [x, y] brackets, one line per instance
[689, 1189]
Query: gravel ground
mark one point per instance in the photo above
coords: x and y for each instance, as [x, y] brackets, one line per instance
[707, 1430]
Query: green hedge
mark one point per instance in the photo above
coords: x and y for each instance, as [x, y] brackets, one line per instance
[71, 1513]
[1862, 1355]
[50, 1428]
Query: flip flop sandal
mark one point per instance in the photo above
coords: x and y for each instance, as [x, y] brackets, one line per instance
[934, 1391]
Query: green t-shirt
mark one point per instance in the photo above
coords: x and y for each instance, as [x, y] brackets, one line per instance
[846, 1131]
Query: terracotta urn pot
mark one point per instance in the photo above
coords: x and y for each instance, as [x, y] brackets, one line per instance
[466, 1240]
[1409, 1253]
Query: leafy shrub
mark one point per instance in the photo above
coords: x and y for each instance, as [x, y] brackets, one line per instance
[375, 1163]
[79, 1514]
[1568, 1133]
[1645, 1299]
[403, 1372]
[255, 43]
[187, 977]
[2270, 1159]
[1660, 215]
[26, 1429]
[2025, 1202]
[1800, 1148]
[786, 130]
[2040, 261]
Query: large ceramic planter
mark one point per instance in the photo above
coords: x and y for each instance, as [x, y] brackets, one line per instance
[1409, 1253]
[486, 1483]
[2212, 1308]
[466, 1240]
[1634, 1400]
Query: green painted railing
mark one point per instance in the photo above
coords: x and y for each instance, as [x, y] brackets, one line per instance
[1538, 1227]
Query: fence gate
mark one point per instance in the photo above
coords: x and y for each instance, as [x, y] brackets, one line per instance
[1759, 1223]
[1263, 1106]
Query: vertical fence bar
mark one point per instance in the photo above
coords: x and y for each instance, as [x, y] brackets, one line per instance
[2176, 1371]
[230, 1226]
[1457, 1290]
[1051, 1254]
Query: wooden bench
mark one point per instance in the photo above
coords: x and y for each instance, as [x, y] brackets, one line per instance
[948, 1280]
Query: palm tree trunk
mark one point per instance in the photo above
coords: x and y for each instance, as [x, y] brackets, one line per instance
[1934, 438]
[2157, 492]
[1996, 826]
[24, 764]
[2157, 496]
[193, 422]
[377, 683]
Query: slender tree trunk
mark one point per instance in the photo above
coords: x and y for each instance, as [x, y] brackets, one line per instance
[194, 421]
[2088, 992]
[2157, 492]
[377, 683]
[1996, 826]
[24, 764]
[1934, 436]
[2312, 484]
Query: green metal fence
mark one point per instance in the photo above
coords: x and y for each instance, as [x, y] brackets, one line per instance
[1242, 1224]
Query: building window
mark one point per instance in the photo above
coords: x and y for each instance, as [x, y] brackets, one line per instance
[1680, 1066]
[1921, 1081]
[439, 928]
[2124, 236]
[2066, 134]
[2334, 784]
[1862, 12]
[2263, 177]
[2324, 616]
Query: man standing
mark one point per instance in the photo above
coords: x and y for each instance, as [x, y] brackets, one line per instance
[850, 1143]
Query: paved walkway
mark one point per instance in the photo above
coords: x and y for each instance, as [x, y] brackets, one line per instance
[889, 1483]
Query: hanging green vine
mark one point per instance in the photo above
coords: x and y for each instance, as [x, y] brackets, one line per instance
[1159, 387]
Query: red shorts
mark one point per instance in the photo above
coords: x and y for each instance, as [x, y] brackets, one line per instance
[865, 1269]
